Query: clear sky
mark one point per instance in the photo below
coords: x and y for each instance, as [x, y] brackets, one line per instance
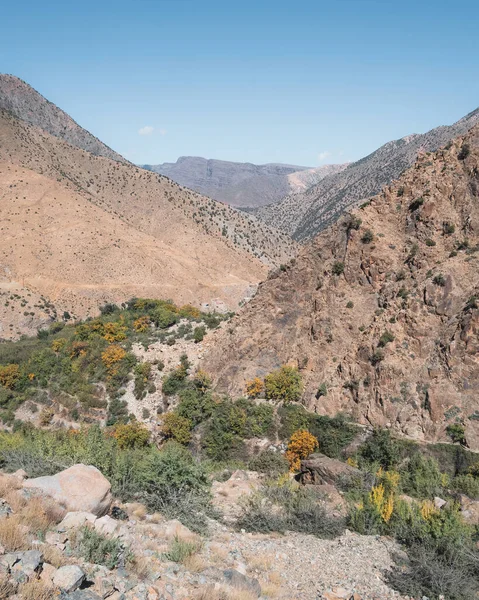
[305, 83]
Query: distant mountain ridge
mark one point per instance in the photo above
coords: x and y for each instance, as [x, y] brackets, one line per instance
[243, 185]
[80, 230]
[305, 214]
[23, 102]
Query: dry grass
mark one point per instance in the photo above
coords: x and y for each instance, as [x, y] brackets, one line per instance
[275, 578]
[54, 556]
[8, 483]
[195, 563]
[12, 534]
[219, 554]
[140, 566]
[7, 589]
[260, 562]
[36, 590]
[210, 593]
[41, 513]
[136, 510]
[14, 499]
[270, 590]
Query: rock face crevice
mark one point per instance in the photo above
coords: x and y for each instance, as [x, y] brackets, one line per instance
[394, 336]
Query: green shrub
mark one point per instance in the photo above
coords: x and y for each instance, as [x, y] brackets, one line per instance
[380, 449]
[415, 204]
[174, 381]
[142, 372]
[199, 334]
[456, 432]
[386, 338]
[288, 507]
[464, 151]
[283, 385]
[100, 550]
[338, 268]
[270, 462]
[367, 237]
[422, 478]
[195, 405]
[177, 428]
[180, 550]
[466, 484]
[439, 280]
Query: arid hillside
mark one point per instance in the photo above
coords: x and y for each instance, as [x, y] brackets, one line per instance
[25, 103]
[303, 215]
[380, 312]
[243, 185]
[81, 230]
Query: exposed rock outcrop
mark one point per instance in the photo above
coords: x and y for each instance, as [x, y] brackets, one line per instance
[381, 308]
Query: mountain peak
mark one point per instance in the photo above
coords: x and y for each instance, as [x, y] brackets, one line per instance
[22, 101]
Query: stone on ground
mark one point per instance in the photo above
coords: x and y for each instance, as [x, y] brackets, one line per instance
[78, 488]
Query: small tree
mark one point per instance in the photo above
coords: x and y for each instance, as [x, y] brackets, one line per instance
[131, 435]
[283, 385]
[301, 445]
[338, 268]
[177, 428]
[254, 387]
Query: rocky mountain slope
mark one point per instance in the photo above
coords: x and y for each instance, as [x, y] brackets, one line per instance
[242, 184]
[25, 103]
[305, 214]
[380, 311]
[79, 230]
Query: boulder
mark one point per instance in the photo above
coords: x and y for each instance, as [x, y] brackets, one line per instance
[30, 562]
[319, 469]
[241, 582]
[469, 509]
[106, 525]
[73, 520]
[174, 528]
[79, 488]
[68, 578]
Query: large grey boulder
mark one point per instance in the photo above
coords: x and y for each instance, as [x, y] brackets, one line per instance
[68, 578]
[79, 488]
[319, 469]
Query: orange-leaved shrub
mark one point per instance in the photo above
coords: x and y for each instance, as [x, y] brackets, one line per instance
[301, 445]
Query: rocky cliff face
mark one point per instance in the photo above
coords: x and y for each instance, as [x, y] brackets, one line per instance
[303, 215]
[242, 184]
[25, 103]
[380, 310]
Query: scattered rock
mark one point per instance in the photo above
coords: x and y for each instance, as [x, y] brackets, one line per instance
[79, 488]
[439, 502]
[319, 469]
[73, 520]
[106, 525]
[68, 578]
[30, 562]
[239, 581]
[174, 529]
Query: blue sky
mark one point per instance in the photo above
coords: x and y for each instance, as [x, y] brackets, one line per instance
[305, 83]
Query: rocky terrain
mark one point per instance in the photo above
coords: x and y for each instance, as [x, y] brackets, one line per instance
[305, 214]
[242, 184]
[25, 103]
[380, 311]
[80, 230]
[140, 563]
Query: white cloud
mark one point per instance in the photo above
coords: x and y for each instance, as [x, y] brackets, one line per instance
[323, 155]
[147, 130]
[162, 131]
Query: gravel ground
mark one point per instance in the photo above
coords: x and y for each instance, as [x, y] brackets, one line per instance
[309, 566]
